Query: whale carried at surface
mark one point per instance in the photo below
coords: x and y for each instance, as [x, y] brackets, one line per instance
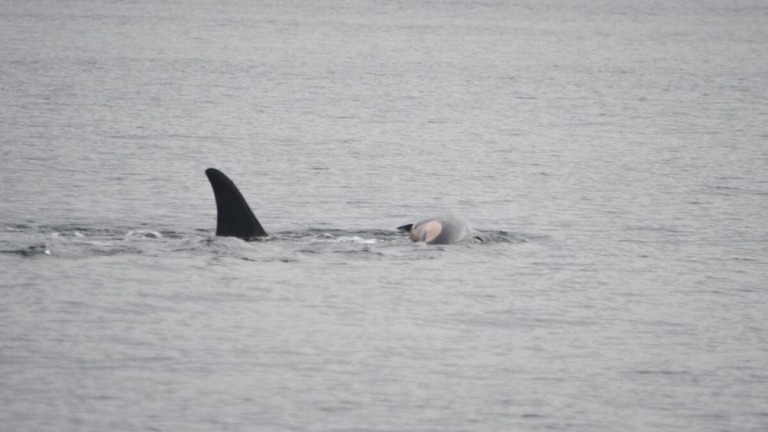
[442, 230]
[234, 218]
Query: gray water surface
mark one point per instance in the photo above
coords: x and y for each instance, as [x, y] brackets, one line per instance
[617, 153]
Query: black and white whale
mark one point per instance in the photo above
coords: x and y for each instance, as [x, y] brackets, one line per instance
[234, 218]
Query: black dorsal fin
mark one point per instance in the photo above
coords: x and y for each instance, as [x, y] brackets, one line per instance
[406, 228]
[234, 216]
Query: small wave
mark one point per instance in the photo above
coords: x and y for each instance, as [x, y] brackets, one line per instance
[336, 236]
[29, 251]
[507, 237]
[144, 234]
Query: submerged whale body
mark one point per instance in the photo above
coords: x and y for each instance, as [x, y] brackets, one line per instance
[234, 218]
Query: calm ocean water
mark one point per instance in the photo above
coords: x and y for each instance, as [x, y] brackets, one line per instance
[616, 151]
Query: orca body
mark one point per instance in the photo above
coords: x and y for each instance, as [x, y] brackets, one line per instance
[234, 218]
[440, 231]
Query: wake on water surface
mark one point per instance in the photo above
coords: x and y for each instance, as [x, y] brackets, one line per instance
[75, 241]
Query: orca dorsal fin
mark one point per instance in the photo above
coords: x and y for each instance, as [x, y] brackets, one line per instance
[234, 216]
